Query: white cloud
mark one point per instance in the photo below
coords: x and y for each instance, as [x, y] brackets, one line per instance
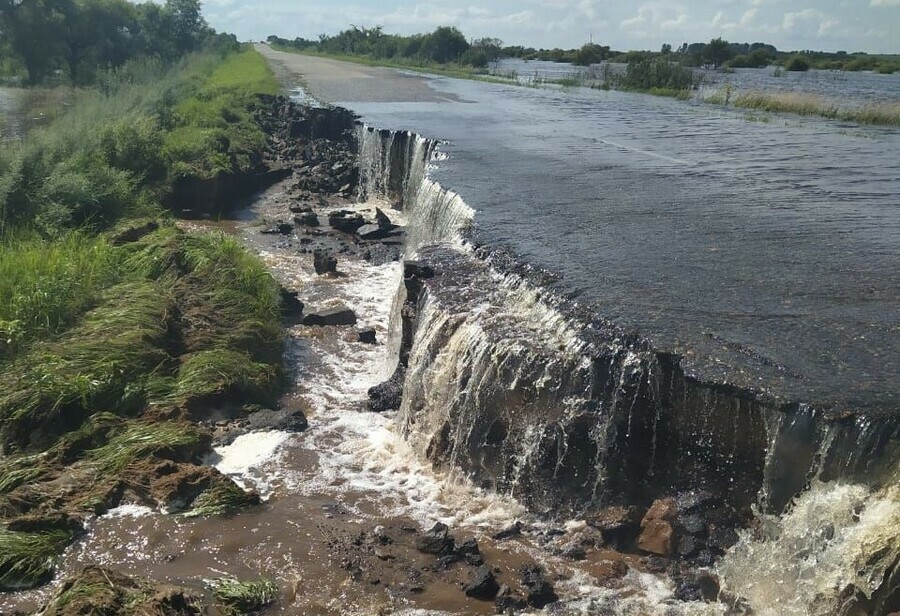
[885, 2]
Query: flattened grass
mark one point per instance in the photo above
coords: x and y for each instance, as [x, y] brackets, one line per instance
[141, 440]
[29, 559]
[223, 498]
[237, 598]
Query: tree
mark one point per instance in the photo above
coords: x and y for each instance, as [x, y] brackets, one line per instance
[188, 28]
[591, 54]
[717, 52]
[666, 49]
[445, 44]
[32, 28]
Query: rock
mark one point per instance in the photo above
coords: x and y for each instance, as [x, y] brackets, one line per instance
[134, 233]
[514, 530]
[346, 189]
[307, 219]
[283, 421]
[695, 500]
[279, 228]
[382, 220]
[692, 524]
[540, 591]
[657, 534]
[299, 209]
[573, 552]
[688, 546]
[417, 269]
[291, 307]
[367, 335]
[483, 585]
[436, 541]
[346, 221]
[374, 232]
[470, 552]
[334, 316]
[709, 585]
[688, 591]
[721, 537]
[508, 601]
[386, 396]
[324, 262]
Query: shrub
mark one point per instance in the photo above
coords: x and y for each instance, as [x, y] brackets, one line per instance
[797, 64]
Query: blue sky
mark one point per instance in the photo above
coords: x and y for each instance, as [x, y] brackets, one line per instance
[851, 25]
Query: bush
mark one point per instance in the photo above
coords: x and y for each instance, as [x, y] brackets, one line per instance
[797, 64]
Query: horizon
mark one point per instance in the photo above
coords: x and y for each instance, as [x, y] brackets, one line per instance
[868, 26]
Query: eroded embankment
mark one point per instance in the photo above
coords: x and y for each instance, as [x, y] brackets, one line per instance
[528, 395]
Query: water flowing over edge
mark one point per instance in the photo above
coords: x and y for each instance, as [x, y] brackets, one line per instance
[508, 386]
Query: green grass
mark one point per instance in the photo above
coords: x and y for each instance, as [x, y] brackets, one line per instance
[237, 598]
[47, 285]
[29, 559]
[142, 440]
[223, 498]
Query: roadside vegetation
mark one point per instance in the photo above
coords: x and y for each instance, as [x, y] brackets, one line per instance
[118, 330]
[802, 103]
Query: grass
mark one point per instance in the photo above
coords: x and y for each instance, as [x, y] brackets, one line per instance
[223, 498]
[29, 559]
[237, 598]
[803, 103]
[142, 440]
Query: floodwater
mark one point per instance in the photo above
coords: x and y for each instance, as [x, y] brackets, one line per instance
[766, 253]
[844, 87]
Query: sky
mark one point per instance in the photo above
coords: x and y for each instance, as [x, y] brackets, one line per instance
[827, 25]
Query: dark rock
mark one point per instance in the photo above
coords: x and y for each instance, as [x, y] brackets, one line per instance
[508, 601]
[382, 220]
[695, 500]
[704, 558]
[709, 585]
[324, 262]
[483, 585]
[417, 269]
[721, 537]
[283, 420]
[688, 546]
[447, 561]
[279, 228]
[619, 525]
[346, 221]
[291, 307]
[134, 233]
[688, 591]
[470, 552]
[436, 541]
[367, 336]
[540, 591]
[573, 552]
[300, 209]
[511, 531]
[307, 219]
[693, 524]
[374, 232]
[386, 396]
[335, 316]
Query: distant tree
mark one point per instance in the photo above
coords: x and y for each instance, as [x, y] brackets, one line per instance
[32, 28]
[591, 54]
[666, 49]
[716, 52]
[188, 28]
[445, 44]
[491, 47]
[797, 64]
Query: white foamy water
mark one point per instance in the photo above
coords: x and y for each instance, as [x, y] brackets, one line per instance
[835, 537]
[248, 460]
[363, 453]
[130, 511]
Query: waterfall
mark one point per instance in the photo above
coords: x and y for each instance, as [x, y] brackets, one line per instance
[520, 392]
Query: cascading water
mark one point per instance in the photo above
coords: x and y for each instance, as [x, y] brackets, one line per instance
[520, 393]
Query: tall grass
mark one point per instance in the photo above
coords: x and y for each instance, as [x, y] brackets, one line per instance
[237, 598]
[47, 285]
[808, 104]
[29, 559]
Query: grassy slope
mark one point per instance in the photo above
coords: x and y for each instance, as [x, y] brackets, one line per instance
[107, 347]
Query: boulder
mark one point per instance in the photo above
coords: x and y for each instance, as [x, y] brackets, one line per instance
[540, 591]
[386, 396]
[382, 220]
[282, 420]
[367, 335]
[346, 221]
[657, 534]
[619, 525]
[509, 601]
[324, 262]
[279, 228]
[307, 219]
[291, 307]
[482, 586]
[437, 541]
[375, 232]
[334, 316]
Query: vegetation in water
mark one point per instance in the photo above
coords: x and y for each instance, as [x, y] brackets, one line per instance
[237, 598]
[29, 559]
[802, 103]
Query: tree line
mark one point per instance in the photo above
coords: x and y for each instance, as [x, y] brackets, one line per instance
[449, 45]
[77, 39]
